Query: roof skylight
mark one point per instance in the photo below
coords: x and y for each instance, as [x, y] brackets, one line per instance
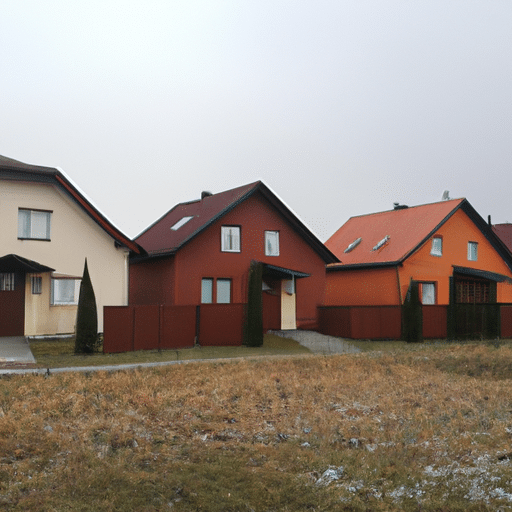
[181, 222]
[381, 243]
[353, 245]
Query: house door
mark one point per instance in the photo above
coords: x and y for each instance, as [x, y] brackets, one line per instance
[288, 304]
[12, 304]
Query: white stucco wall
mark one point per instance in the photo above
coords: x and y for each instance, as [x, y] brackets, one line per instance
[74, 236]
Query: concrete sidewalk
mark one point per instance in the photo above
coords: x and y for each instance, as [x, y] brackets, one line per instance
[15, 349]
[319, 343]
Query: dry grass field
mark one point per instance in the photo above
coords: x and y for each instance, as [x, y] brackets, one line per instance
[427, 429]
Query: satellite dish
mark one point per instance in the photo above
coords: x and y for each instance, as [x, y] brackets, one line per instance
[446, 196]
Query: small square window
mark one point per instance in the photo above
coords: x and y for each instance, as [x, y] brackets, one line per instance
[6, 282]
[37, 285]
[271, 243]
[437, 246]
[472, 251]
[223, 291]
[34, 224]
[230, 238]
[206, 290]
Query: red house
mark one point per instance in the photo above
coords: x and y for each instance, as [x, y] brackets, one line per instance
[200, 252]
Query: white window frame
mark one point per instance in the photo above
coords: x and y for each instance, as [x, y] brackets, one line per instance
[28, 222]
[36, 284]
[472, 251]
[437, 246]
[207, 290]
[230, 238]
[7, 280]
[223, 290]
[57, 300]
[428, 293]
[271, 243]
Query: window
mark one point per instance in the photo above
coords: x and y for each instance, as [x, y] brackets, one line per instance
[223, 291]
[6, 282]
[34, 224]
[181, 222]
[65, 292]
[37, 284]
[230, 238]
[206, 290]
[271, 243]
[437, 246]
[472, 251]
[428, 293]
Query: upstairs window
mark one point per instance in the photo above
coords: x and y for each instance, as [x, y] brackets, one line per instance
[33, 224]
[230, 238]
[437, 246]
[472, 251]
[6, 282]
[65, 292]
[271, 243]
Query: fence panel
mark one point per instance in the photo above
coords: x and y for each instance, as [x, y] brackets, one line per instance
[506, 321]
[221, 324]
[118, 328]
[376, 322]
[435, 320]
[146, 327]
[334, 321]
[178, 326]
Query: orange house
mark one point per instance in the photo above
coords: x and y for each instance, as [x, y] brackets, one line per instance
[447, 247]
[200, 253]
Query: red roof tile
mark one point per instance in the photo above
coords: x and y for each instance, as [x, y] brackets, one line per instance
[504, 232]
[406, 228]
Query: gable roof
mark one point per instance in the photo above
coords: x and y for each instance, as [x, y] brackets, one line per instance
[160, 240]
[14, 170]
[504, 233]
[407, 229]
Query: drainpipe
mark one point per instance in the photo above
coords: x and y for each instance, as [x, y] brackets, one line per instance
[399, 287]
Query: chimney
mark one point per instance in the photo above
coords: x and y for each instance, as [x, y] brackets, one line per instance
[205, 193]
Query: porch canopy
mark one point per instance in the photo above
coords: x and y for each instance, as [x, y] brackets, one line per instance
[15, 263]
[482, 274]
[282, 273]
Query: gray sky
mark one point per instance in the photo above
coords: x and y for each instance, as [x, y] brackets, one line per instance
[341, 107]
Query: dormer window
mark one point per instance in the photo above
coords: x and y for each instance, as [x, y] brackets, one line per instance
[230, 238]
[383, 242]
[353, 245]
[437, 246]
[181, 223]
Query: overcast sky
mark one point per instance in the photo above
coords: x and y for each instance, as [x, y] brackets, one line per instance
[341, 107]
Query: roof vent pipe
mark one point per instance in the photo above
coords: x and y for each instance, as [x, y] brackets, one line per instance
[489, 220]
[398, 206]
[205, 193]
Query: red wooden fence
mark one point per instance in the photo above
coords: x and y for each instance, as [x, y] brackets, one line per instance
[150, 327]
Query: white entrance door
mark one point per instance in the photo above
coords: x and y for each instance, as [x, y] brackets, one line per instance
[288, 304]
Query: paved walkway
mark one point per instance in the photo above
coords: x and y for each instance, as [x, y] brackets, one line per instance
[15, 349]
[319, 343]
[16, 357]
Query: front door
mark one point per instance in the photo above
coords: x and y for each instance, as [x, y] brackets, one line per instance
[288, 304]
[12, 304]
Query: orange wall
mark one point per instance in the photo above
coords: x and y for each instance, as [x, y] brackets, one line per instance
[202, 257]
[362, 287]
[379, 286]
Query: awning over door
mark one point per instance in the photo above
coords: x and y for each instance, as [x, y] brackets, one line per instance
[15, 263]
[482, 274]
[282, 273]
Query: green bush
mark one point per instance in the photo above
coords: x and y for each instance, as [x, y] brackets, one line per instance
[412, 314]
[87, 340]
[253, 331]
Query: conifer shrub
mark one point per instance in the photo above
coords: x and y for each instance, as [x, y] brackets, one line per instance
[253, 331]
[87, 340]
[412, 314]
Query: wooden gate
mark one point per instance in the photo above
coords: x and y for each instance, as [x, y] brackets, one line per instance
[12, 308]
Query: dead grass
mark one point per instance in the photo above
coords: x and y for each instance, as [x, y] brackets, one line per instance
[425, 429]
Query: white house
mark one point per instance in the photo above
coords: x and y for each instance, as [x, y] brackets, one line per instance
[48, 229]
